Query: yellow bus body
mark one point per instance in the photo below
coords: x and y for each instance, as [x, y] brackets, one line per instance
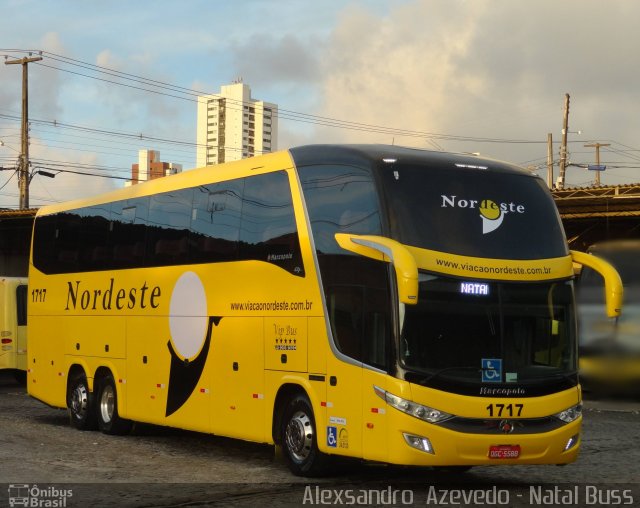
[270, 338]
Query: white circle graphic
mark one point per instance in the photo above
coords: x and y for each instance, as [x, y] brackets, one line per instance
[188, 315]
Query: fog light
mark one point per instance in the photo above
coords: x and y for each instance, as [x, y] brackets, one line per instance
[420, 443]
[573, 440]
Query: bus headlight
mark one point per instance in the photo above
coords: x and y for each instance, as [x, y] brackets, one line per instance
[426, 413]
[571, 414]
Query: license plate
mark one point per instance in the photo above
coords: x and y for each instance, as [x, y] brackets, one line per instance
[504, 452]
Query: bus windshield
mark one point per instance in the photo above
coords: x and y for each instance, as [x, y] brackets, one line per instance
[489, 214]
[510, 333]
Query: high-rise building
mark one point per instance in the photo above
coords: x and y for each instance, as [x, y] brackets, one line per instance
[233, 126]
[149, 167]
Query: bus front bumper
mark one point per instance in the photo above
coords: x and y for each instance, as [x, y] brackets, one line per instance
[445, 447]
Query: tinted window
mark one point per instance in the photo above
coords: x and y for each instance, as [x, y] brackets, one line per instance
[215, 223]
[268, 229]
[128, 232]
[93, 241]
[68, 234]
[200, 225]
[21, 304]
[343, 199]
[168, 228]
[44, 236]
[359, 318]
[340, 199]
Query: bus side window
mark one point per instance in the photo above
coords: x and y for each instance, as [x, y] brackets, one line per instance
[268, 230]
[360, 324]
[340, 199]
[346, 316]
[128, 232]
[68, 231]
[44, 237]
[94, 250]
[215, 221]
[168, 229]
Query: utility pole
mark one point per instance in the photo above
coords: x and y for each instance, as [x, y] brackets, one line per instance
[563, 146]
[550, 160]
[597, 147]
[23, 173]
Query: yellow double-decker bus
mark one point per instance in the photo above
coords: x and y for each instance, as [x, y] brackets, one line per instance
[388, 304]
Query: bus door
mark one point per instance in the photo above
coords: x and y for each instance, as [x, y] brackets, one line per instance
[361, 327]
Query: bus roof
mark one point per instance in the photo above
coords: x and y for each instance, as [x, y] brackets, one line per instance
[362, 155]
[379, 154]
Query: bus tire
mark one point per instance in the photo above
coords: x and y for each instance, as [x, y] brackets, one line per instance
[299, 439]
[82, 413]
[109, 420]
[20, 376]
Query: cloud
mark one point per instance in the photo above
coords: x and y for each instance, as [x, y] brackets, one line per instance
[46, 83]
[266, 59]
[496, 69]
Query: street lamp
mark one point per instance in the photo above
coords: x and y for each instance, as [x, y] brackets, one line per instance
[43, 173]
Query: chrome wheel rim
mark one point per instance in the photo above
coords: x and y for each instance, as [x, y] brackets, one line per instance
[80, 400]
[107, 403]
[299, 436]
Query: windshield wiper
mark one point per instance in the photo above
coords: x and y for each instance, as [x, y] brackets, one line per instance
[446, 369]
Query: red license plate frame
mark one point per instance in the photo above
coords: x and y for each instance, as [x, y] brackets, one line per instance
[504, 451]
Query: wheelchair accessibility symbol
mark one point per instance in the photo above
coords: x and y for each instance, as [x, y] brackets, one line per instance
[332, 436]
[491, 370]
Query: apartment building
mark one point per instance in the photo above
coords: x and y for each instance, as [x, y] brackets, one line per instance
[149, 167]
[233, 126]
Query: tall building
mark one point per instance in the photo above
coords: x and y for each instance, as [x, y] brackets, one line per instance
[233, 126]
[149, 167]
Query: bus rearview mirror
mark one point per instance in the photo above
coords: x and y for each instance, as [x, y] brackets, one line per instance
[612, 282]
[386, 249]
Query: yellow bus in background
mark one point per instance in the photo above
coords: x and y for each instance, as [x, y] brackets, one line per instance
[610, 347]
[13, 326]
[367, 301]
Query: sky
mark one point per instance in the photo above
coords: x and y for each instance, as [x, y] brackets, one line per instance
[486, 76]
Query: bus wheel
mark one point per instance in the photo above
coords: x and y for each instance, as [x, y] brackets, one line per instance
[80, 403]
[20, 376]
[109, 421]
[299, 439]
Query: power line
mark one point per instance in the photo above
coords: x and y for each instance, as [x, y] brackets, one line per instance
[283, 114]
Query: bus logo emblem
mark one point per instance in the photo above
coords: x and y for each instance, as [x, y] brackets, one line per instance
[506, 427]
[491, 370]
[491, 215]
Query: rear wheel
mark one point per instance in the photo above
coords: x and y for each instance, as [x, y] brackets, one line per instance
[20, 376]
[300, 440]
[80, 403]
[109, 420]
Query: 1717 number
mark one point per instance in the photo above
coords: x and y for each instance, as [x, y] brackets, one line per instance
[38, 295]
[501, 410]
